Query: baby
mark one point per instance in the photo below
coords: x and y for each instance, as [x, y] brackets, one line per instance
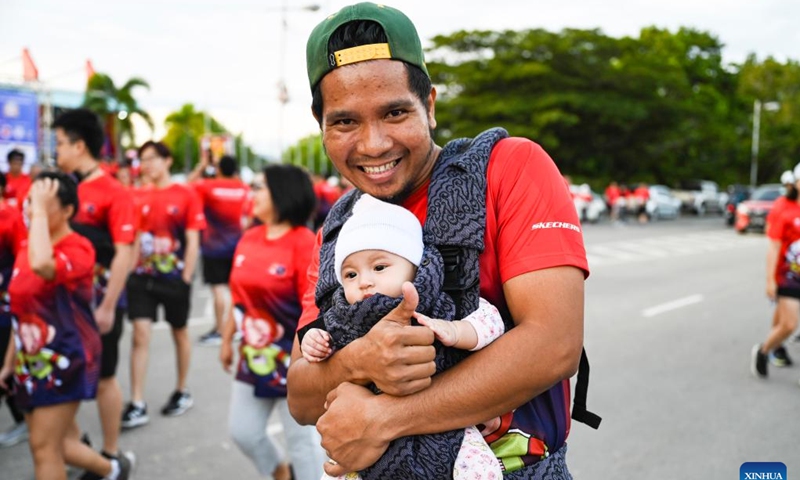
[378, 250]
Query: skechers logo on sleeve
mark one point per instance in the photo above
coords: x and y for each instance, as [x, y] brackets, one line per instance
[546, 225]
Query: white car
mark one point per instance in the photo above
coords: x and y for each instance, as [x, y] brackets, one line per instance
[589, 205]
[662, 203]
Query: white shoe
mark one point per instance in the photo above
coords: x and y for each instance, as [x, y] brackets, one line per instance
[14, 435]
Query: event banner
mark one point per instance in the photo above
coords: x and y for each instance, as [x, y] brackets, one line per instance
[19, 125]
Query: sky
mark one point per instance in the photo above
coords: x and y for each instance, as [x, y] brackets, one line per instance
[228, 57]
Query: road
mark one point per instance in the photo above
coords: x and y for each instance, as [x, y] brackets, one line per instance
[672, 310]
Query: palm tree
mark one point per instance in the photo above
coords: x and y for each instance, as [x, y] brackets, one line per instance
[116, 106]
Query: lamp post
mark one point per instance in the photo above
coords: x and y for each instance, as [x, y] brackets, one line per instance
[283, 93]
[757, 106]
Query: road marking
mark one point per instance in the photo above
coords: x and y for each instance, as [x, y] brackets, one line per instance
[673, 305]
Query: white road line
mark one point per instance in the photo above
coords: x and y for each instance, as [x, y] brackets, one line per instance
[673, 305]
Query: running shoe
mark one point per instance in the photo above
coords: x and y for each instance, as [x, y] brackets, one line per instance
[210, 339]
[759, 362]
[178, 403]
[14, 435]
[780, 357]
[134, 416]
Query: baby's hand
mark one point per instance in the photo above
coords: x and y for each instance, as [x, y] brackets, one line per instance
[446, 332]
[316, 345]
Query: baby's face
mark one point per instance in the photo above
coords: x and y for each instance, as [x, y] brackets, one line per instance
[368, 272]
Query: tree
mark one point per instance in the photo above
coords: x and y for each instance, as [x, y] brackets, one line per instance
[309, 153]
[116, 106]
[657, 108]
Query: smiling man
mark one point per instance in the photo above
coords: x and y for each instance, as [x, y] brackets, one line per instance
[375, 104]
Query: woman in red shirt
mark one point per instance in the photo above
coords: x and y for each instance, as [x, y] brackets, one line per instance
[56, 355]
[267, 282]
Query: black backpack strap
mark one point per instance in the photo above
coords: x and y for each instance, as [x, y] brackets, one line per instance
[579, 411]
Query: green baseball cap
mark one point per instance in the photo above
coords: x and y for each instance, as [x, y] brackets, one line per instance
[403, 40]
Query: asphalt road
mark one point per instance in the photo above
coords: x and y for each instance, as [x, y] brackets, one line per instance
[672, 311]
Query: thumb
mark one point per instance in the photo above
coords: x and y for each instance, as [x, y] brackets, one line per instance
[403, 312]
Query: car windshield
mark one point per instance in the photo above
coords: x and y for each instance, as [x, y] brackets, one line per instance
[767, 193]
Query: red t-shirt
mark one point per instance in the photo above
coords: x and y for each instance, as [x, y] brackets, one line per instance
[164, 216]
[60, 356]
[784, 225]
[13, 235]
[224, 202]
[267, 280]
[105, 216]
[15, 187]
[531, 224]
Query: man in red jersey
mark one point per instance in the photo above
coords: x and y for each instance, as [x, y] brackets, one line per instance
[16, 180]
[223, 200]
[374, 102]
[170, 218]
[105, 216]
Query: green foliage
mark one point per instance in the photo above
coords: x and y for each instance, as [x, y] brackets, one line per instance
[309, 154]
[107, 100]
[658, 108]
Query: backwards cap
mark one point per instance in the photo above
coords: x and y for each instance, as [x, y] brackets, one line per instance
[378, 225]
[403, 41]
[787, 177]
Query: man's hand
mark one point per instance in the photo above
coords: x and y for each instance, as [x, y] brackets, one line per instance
[350, 429]
[104, 318]
[226, 356]
[399, 357]
[772, 289]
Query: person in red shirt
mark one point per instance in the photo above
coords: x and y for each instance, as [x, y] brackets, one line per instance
[641, 196]
[612, 199]
[13, 234]
[267, 282]
[224, 199]
[106, 217]
[56, 354]
[783, 280]
[780, 356]
[16, 180]
[170, 219]
[376, 119]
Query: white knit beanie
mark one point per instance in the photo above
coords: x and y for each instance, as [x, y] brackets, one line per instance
[787, 177]
[378, 225]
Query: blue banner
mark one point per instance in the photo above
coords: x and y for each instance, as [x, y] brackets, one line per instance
[19, 125]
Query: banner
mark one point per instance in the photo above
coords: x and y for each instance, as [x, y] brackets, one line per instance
[19, 126]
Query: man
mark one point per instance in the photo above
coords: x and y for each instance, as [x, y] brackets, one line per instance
[105, 216]
[16, 180]
[375, 105]
[223, 201]
[170, 218]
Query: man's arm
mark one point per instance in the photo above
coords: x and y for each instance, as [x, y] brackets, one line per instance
[543, 349]
[192, 251]
[118, 273]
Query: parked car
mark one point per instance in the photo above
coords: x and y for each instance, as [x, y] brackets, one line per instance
[736, 195]
[589, 205]
[662, 203]
[700, 196]
[752, 214]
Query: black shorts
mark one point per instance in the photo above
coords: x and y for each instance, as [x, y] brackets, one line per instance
[145, 294]
[110, 342]
[789, 292]
[216, 271]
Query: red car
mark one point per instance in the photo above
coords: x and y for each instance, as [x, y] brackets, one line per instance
[752, 214]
